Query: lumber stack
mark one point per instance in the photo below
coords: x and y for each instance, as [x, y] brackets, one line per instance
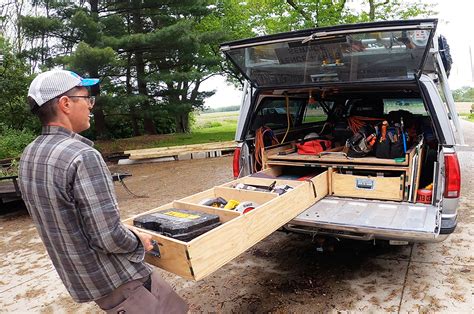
[174, 151]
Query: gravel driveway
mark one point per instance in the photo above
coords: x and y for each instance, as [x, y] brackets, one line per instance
[282, 273]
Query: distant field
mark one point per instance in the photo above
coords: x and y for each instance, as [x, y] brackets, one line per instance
[463, 107]
[208, 127]
[208, 118]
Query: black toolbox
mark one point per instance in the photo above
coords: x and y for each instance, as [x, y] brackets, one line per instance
[180, 224]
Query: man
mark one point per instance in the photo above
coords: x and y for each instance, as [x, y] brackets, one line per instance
[69, 193]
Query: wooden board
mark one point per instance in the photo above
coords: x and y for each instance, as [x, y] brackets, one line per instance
[338, 158]
[179, 150]
[231, 194]
[274, 163]
[9, 188]
[224, 214]
[205, 254]
[262, 181]
[382, 188]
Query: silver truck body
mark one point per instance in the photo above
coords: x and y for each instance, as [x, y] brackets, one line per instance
[360, 218]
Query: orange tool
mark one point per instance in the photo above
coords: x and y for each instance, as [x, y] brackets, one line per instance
[384, 131]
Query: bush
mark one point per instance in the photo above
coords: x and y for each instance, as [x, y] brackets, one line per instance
[11, 170]
[13, 142]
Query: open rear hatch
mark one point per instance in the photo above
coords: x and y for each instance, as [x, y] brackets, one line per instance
[394, 50]
[365, 219]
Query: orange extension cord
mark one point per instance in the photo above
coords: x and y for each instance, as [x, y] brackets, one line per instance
[260, 145]
[356, 122]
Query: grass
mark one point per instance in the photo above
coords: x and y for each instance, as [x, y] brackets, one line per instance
[11, 170]
[202, 118]
[208, 127]
[467, 116]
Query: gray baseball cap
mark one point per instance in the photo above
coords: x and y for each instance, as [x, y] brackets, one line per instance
[51, 84]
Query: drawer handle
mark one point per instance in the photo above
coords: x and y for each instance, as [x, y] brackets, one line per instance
[365, 184]
[314, 188]
[334, 153]
[155, 252]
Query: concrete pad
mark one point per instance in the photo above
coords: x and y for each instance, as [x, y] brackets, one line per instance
[22, 265]
[374, 298]
[393, 252]
[44, 293]
[457, 249]
[432, 288]
[199, 155]
[184, 156]
[376, 286]
[379, 272]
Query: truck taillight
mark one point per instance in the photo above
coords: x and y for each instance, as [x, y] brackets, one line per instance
[452, 177]
[236, 163]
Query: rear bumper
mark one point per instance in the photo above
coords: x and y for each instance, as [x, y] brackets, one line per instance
[362, 235]
[448, 225]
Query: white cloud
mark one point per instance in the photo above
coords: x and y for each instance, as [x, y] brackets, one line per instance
[456, 24]
[226, 94]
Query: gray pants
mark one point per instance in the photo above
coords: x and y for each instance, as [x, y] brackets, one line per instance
[134, 297]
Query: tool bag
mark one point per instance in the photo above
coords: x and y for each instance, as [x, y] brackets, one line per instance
[361, 143]
[390, 143]
[313, 147]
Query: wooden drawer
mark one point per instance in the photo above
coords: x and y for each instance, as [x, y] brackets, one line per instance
[205, 254]
[366, 186]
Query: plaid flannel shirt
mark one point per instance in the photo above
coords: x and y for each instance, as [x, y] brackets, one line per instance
[69, 193]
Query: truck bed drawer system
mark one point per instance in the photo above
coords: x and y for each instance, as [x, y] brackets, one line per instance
[314, 192]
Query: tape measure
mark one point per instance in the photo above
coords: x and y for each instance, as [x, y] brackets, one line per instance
[245, 207]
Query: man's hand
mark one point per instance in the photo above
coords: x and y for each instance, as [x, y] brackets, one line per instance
[144, 238]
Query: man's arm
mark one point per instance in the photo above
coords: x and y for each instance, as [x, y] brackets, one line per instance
[94, 195]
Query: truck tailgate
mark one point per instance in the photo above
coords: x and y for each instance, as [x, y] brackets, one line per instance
[381, 219]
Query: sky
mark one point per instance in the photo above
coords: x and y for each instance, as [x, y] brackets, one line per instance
[455, 22]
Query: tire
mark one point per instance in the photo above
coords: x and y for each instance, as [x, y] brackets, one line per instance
[445, 54]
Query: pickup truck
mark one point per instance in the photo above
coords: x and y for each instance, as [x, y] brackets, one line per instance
[324, 84]
[342, 133]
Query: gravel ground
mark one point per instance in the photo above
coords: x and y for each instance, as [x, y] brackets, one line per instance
[283, 273]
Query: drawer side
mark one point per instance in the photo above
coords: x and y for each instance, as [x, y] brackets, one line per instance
[217, 247]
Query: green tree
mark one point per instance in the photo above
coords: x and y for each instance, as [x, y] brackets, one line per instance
[14, 82]
[153, 56]
[464, 93]
[167, 46]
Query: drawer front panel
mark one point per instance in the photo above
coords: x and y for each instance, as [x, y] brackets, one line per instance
[383, 188]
